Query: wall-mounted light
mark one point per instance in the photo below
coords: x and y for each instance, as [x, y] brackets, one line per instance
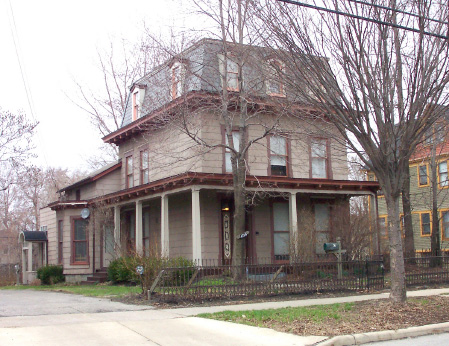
[225, 207]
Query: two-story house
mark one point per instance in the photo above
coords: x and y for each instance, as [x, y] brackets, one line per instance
[434, 146]
[170, 193]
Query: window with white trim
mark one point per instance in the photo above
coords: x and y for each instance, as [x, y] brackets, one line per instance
[319, 158]
[278, 155]
[178, 71]
[275, 85]
[442, 174]
[322, 223]
[236, 140]
[281, 234]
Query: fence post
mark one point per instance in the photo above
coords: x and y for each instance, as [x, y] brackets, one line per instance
[367, 273]
[156, 281]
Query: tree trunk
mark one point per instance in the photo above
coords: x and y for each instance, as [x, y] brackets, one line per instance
[398, 290]
[238, 253]
[409, 241]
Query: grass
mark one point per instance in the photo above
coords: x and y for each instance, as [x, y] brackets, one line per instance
[316, 313]
[85, 290]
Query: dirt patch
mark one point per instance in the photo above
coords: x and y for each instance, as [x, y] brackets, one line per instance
[368, 316]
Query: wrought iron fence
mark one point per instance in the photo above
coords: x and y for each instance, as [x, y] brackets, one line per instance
[427, 270]
[212, 280]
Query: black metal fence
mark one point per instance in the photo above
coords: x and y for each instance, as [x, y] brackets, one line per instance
[213, 281]
[428, 269]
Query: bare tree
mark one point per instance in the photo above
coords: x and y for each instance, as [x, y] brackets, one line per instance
[379, 87]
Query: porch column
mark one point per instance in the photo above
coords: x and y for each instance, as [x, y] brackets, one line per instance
[139, 240]
[165, 241]
[117, 241]
[30, 256]
[196, 226]
[293, 215]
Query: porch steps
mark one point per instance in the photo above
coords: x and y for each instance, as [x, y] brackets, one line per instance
[100, 275]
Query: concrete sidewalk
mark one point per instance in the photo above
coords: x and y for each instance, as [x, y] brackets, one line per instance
[162, 327]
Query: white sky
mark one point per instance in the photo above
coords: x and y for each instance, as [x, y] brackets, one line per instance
[58, 43]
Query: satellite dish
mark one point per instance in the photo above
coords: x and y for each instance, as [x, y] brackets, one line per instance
[85, 213]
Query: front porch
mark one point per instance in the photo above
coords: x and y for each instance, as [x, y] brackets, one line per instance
[195, 222]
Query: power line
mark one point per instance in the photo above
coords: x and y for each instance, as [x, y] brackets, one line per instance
[355, 16]
[397, 11]
[15, 37]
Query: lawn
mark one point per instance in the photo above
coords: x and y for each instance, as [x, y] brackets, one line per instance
[86, 290]
[347, 318]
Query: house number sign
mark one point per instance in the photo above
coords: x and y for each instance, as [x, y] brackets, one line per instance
[226, 236]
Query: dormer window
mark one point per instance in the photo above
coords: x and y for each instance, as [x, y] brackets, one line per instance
[137, 94]
[232, 72]
[275, 85]
[135, 104]
[178, 77]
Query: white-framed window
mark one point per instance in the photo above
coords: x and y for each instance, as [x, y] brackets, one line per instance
[281, 234]
[442, 174]
[319, 158]
[144, 167]
[236, 140]
[322, 223]
[129, 172]
[178, 72]
[278, 155]
[275, 85]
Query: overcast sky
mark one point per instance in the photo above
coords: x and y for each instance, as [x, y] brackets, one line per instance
[57, 42]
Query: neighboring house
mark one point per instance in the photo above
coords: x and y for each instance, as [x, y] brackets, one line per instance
[421, 192]
[169, 194]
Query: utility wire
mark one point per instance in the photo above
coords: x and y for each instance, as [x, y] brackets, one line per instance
[372, 20]
[397, 11]
[15, 37]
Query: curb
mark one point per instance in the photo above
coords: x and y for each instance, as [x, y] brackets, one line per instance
[359, 339]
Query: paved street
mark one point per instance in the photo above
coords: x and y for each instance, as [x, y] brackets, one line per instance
[51, 318]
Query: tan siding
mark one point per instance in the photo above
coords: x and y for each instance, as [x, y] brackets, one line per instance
[262, 224]
[180, 224]
[210, 224]
[48, 218]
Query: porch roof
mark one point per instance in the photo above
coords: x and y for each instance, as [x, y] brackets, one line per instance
[34, 236]
[225, 180]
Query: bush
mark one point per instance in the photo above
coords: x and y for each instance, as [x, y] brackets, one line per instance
[50, 274]
[124, 270]
[120, 271]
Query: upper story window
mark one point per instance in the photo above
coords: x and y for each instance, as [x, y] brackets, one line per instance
[137, 95]
[319, 158]
[135, 104]
[236, 140]
[442, 174]
[177, 79]
[78, 195]
[232, 71]
[426, 226]
[278, 155]
[423, 175]
[129, 172]
[144, 167]
[275, 85]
